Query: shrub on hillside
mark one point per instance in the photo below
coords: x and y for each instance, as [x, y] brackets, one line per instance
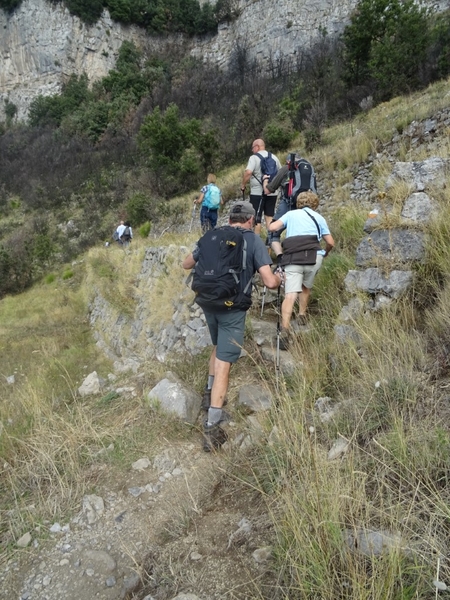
[278, 134]
[386, 42]
[10, 5]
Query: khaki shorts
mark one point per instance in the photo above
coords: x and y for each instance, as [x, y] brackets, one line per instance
[298, 275]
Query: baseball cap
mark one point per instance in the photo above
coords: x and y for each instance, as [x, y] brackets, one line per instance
[242, 207]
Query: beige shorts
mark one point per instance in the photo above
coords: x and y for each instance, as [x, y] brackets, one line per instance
[298, 275]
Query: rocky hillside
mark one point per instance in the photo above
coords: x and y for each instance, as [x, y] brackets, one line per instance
[42, 44]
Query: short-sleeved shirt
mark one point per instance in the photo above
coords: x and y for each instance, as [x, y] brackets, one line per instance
[297, 222]
[254, 165]
[257, 257]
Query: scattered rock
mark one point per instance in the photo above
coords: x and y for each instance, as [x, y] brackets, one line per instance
[24, 541]
[255, 398]
[262, 555]
[91, 385]
[141, 464]
[339, 448]
[93, 508]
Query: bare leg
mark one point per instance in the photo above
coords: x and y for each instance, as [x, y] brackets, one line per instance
[258, 228]
[220, 386]
[304, 298]
[212, 361]
[276, 247]
[286, 309]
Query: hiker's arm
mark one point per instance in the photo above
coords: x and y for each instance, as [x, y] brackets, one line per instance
[329, 241]
[272, 186]
[270, 280]
[276, 225]
[199, 198]
[188, 262]
[246, 178]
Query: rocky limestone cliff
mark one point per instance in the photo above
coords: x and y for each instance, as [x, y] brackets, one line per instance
[42, 44]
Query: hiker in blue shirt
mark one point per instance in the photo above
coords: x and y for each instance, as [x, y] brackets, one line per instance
[210, 198]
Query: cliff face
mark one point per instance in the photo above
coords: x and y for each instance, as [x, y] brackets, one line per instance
[42, 44]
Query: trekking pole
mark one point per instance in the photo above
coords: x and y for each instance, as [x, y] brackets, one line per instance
[277, 356]
[193, 216]
[263, 299]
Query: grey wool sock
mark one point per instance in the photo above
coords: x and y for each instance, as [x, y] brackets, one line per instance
[214, 415]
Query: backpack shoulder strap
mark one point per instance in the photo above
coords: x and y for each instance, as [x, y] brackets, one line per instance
[315, 221]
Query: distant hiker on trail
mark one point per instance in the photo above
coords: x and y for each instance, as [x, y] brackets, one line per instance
[261, 163]
[225, 298]
[210, 198]
[124, 234]
[302, 256]
[295, 177]
[118, 232]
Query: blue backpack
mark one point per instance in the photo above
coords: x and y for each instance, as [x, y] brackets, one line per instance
[212, 197]
[268, 165]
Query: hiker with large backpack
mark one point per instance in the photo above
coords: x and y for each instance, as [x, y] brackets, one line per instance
[123, 234]
[224, 262]
[295, 177]
[261, 164]
[211, 199]
[302, 256]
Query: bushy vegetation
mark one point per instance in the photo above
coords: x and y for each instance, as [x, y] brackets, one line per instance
[10, 5]
[389, 395]
[159, 122]
[160, 16]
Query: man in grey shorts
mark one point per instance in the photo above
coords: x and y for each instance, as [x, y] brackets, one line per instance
[227, 327]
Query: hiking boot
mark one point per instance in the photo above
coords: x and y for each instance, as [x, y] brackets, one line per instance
[284, 339]
[213, 437]
[302, 320]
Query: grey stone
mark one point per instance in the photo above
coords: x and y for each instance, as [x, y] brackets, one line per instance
[93, 508]
[419, 208]
[175, 397]
[262, 555]
[99, 560]
[373, 281]
[352, 310]
[346, 334]
[141, 464]
[129, 585]
[91, 385]
[373, 543]
[288, 365]
[338, 449]
[390, 246]
[24, 540]
[254, 397]
[421, 175]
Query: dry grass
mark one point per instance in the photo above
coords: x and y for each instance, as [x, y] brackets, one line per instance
[394, 476]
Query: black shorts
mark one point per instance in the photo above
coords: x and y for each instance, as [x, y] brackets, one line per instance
[263, 206]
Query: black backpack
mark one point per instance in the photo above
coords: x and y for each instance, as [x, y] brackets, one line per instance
[126, 235]
[268, 165]
[222, 258]
[302, 179]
